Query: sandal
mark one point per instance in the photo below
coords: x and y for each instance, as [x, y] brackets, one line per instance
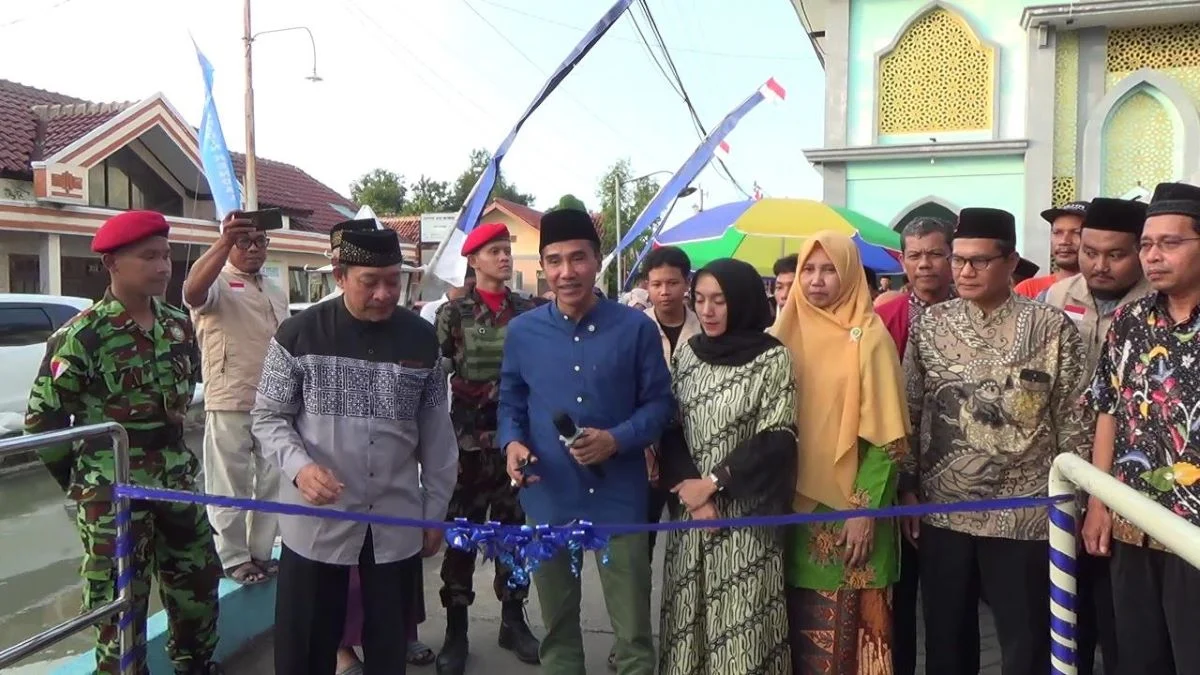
[419, 654]
[246, 574]
[269, 567]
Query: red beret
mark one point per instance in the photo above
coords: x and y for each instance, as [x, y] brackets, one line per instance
[484, 234]
[128, 228]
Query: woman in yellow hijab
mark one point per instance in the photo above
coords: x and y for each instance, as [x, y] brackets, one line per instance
[852, 423]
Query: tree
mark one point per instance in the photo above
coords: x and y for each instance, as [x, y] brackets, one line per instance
[569, 201]
[382, 190]
[467, 179]
[428, 196]
[635, 194]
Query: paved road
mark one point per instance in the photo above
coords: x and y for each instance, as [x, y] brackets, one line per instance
[488, 659]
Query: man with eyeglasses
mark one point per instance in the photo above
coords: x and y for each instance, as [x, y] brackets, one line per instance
[993, 381]
[236, 311]
[1146, 393]
[1110, 277]
[925, 248]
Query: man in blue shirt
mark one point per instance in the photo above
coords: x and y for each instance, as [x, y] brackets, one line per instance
[600, 363]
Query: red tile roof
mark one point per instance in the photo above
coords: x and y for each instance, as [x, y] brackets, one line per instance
[19, 126]
[307, 201]
[408, 227]
[530, 216]
[34, 124]
[66, 124]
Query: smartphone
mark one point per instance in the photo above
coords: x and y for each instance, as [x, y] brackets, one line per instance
[265, 219]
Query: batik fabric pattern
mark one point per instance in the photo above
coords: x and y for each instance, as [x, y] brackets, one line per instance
[993, 399]
[724, 611]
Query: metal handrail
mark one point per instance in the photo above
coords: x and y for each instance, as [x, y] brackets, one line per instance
[124, 602]
[1068, 474]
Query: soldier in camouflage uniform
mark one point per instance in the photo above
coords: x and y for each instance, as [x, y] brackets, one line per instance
[132, 359]
[471, 332]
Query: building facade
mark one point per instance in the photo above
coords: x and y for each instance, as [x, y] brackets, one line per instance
[67, 165]
[932, 106]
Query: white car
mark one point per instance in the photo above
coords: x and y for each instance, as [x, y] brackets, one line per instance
[26, 321]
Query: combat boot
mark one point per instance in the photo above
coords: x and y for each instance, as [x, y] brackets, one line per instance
[515, 635]
[452, 660]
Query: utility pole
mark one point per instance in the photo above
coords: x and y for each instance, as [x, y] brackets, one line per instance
[251, 179]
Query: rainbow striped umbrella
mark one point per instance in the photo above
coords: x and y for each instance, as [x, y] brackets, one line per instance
[760, 232]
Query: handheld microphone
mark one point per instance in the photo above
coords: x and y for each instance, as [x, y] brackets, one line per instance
[568, 433]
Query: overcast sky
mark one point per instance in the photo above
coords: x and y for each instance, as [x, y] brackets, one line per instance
[412, 86]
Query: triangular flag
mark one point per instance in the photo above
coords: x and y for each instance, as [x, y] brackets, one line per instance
[773, 91]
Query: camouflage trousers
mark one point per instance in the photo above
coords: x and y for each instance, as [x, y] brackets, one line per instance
[173, 541]
[483, 493]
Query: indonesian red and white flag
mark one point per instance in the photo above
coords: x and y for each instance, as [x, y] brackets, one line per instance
[773, 91]
[723, 150]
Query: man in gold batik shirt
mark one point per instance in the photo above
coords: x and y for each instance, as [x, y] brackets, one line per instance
[993, 381]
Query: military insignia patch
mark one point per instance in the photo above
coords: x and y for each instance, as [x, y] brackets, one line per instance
[58, 367]
[176, 333]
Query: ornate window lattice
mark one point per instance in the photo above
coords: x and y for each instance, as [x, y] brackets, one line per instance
[1066, 95]
[1139, 145]
[1155, 47]
[1062, 190]
[939, 77]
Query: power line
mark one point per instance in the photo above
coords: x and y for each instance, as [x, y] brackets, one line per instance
[690, 50]
[580, 104]
[392, 41]
[27, 17]
[682, 90]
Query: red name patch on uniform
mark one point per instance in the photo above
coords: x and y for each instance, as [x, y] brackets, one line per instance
[237, 285]
[1075, 312]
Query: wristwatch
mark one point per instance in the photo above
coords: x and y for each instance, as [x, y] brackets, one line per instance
[716, 481]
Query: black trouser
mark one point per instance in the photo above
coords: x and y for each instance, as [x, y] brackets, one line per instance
[955, 568]
[654, 510]
[310, 613]
[904, 611]
[1156, 598]
[1096, 627]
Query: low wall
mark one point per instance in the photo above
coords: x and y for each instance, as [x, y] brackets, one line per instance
[247, 612]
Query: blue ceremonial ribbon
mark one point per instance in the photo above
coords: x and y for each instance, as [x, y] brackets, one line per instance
[214, 154]
[524, 547]
[468, 218]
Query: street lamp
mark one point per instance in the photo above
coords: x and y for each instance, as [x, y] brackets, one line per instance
[251, 160]
[617, 185]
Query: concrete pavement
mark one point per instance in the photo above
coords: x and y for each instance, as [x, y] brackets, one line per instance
[487, 658]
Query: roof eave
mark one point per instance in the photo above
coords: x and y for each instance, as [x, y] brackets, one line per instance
[810, 30]
[819, 156]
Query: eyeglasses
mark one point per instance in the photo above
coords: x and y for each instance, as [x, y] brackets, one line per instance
[245, 244]
[979, 263]
[1166, 244]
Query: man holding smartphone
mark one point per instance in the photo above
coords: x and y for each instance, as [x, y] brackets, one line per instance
[236, 311]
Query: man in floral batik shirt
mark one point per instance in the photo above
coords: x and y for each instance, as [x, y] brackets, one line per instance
[1146, 392]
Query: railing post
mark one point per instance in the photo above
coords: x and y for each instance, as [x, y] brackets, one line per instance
[1063, 585]
[125, 572]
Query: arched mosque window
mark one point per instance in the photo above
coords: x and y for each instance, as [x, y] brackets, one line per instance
[1139, 143]
[938, 76]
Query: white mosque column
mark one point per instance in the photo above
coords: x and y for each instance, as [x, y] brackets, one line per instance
[50, 264]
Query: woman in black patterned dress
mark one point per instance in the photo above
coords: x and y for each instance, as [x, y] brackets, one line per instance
[723, 607]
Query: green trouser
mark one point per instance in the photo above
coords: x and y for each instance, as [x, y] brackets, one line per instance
[625, 581]
[176, 542]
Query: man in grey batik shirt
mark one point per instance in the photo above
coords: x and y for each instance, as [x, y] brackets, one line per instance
[353, 407]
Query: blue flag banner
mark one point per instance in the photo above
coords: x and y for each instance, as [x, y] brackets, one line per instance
[700, 158]
[214, 154]
[452, 268]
